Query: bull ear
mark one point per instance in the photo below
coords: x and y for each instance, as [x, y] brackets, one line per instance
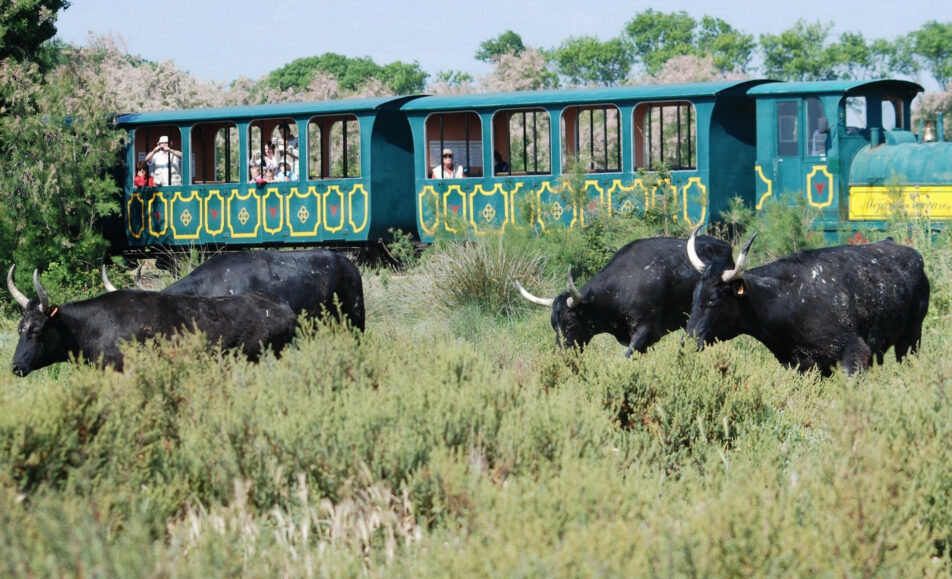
[740, 288]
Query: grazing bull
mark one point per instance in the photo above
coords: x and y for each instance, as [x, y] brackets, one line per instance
[312, 281]
[95, 327]
[817, 308]
[642, 293]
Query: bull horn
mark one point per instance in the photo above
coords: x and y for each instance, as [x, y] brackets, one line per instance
[534, 299]
[692, 252]
[139, 278]
[575, 298]
[17, 294]
[739, 265]
[41, 292]
[105, 280]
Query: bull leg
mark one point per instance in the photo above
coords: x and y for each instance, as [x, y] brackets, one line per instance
[640, 340]
[856, 357]
[908, 343]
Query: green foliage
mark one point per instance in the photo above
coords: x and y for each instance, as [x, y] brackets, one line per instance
[402, 247]
[932, 44]
[350, 73]
[657, 37]
[481, 274]
[506, 43]
[25, 27]
[585, 60]
[55, 168]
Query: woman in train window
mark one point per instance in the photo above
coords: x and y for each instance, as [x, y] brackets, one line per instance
[447, 170]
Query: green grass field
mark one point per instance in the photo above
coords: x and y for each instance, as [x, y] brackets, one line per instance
[452, 438]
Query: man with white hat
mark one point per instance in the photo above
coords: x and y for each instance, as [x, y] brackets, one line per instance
[165, 163]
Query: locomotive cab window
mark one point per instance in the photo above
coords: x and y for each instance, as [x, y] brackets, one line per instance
[788, 129]
[818, 127]
[892, 113]
[454, 146]
[158, 154]
[666, 136]
[333, 147]
[591, 137]
[273, 146]
[522, 142]
[856, 121]
[214, 153]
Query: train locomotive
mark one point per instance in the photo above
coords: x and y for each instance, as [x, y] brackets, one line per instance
[351, 172]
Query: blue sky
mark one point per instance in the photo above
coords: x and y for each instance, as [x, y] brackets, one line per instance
[224, 39]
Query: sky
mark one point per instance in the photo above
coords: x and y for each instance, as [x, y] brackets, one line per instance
[222, 40]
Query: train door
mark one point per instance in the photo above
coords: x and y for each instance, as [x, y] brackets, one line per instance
[803, 137]
[788, 146]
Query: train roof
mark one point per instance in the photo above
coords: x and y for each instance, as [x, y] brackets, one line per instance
[831, 87]
[265, 110]
[578, 96]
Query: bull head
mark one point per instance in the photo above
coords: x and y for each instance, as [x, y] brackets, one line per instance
[727, 275]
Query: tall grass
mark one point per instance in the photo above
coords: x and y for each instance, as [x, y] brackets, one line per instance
[453, 437]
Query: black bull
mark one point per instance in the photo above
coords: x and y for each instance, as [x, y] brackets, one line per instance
[642, 293]
[843, 304]
[94, 328]
[311, 281]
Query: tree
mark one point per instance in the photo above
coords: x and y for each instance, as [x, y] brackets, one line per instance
[506, 43]
[57, 155]
[799, 53]
[350, 73]
[585, 60]
[729, 49]
[657, 37]
[932, 45]
[25, 25]
[527, 71]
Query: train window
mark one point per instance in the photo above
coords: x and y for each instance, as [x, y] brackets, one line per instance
[461, 134]
[522, 141]
[892, 113]
[591, 136]
[818, 127]
[159, 147]
[273, 143]
[214, 153]
[788, 129]
[855, 114]
[666, 136]
[333, 147]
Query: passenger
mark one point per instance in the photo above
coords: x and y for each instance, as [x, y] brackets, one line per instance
[254, 174]
[142, 178]
[269, 159]
[501, 166]
[447, 170]
[285, 173]
[268, 174]
[255, 160]
[165, 163]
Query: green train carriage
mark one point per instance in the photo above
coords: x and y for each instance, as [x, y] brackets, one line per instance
[703, 133]
[342, 152]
